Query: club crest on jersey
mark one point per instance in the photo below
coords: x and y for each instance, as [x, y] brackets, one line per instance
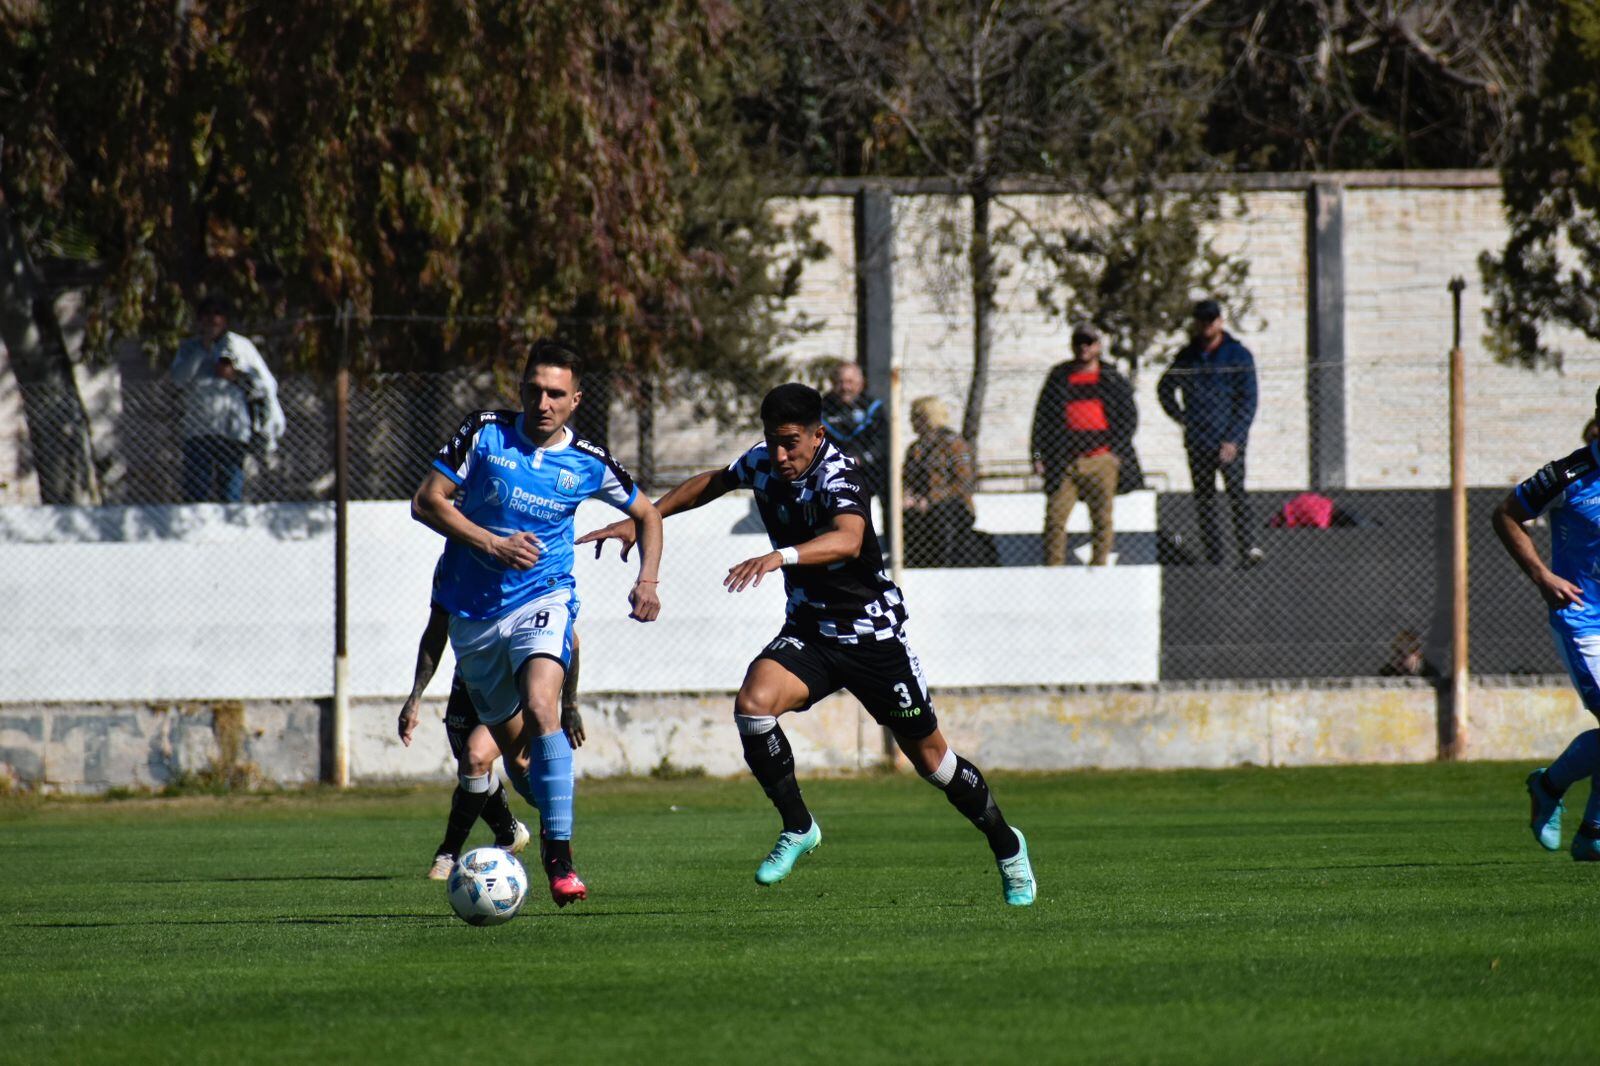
[566, 481]
[495, 492]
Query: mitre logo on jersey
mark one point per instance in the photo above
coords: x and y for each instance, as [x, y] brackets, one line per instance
[567, 481]
[505, 461]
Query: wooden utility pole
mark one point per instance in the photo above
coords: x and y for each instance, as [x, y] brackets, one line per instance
[339, 772]
[1453, 727]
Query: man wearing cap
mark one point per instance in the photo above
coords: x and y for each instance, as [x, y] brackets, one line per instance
[229, 398]
[1215, 376]
[1083, 445]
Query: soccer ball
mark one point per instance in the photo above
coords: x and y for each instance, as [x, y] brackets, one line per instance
[487, 886]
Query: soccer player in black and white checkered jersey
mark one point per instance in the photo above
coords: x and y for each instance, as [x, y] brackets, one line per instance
[845, 629]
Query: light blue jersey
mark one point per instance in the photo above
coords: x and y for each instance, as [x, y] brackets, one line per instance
[508, 485]
[1569, 489]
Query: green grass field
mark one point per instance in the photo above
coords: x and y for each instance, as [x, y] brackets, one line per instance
[1359, 914]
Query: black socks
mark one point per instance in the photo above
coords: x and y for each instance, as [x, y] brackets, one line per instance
[467, 807]
[969, 793]
[771, 760]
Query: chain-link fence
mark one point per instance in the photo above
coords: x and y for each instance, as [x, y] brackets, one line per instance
[206, 568]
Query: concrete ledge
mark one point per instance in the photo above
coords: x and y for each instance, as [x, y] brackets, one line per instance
[93, 747]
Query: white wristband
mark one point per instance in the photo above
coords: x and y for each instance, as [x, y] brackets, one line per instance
[790, 555]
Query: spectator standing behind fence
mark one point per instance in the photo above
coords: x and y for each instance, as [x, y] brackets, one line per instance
[939, 482]
[857, 425]
[1216, 377]
[230, 399]
[1083, 427]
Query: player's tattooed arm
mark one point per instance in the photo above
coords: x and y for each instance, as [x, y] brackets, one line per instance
[429, 648]
[571, 717]
[700, 489]
[643, 600]
[434, 507]
[1509, 519]
[841, 542]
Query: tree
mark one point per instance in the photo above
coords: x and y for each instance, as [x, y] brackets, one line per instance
[1092, 99]
[484, 171]
[1549, 272]
[1371, 84]
[62, 452]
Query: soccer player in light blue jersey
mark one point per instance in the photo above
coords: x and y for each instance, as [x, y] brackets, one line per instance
[1569, 491]
[503, 490]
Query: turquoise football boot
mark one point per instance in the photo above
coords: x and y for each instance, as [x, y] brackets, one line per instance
[1585, 846]
[1544, 816]
[1016, 875]
[786, 852]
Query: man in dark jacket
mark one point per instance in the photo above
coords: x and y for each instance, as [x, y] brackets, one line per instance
[857, 425]
[1083, 445]
[1216, 377]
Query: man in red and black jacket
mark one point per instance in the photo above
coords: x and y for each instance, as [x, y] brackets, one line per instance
[1083, 430]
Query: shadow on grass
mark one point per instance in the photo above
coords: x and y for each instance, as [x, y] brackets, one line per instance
[251, 880]
[310, 919]
[439, 919]
[1373, 866]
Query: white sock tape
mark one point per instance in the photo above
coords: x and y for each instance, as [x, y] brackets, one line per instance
[946, 772]
[478, 783]
[755, 725]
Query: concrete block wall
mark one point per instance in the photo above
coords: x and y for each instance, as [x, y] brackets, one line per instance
[92, 747]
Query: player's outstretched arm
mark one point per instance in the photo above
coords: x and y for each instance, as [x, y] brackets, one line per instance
[429, 648]
[841, 542]
[643, 600]
[434, 507]
[700, 489]
[1509, 519]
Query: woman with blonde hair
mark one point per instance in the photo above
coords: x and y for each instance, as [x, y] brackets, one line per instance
[939, 482]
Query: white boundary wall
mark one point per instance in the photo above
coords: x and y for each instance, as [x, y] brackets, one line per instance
[206, 602]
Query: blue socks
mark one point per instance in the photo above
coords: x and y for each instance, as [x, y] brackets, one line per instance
[1580, 760]
[551, 773]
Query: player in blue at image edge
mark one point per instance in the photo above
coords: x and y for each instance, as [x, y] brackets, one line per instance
[1568, 491]
[844, 628]
[503, 492]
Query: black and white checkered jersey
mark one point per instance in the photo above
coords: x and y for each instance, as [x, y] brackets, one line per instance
[847, 601]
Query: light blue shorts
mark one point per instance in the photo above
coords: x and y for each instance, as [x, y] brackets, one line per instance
[490, 652]
[1581, 654]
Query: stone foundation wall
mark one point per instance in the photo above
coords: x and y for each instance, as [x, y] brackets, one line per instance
[94, 747]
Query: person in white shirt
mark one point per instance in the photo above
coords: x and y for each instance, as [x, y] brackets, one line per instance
[229, 398]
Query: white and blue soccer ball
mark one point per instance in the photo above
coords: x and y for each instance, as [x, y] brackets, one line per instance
[487, 886]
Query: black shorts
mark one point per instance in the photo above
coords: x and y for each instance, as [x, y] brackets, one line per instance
[460, 716]
[883, 674]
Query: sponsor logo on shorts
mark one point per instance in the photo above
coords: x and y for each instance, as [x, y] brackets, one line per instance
[787, 642]
[905, 712]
